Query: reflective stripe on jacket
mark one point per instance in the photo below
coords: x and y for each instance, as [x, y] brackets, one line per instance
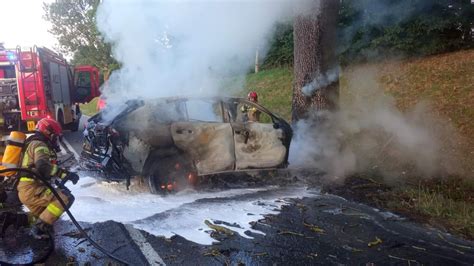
[40, 157]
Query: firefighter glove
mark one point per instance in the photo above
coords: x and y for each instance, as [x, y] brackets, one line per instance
[73, 177]
[68, 176]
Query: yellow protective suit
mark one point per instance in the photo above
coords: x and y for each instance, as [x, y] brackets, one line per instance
[36, 196]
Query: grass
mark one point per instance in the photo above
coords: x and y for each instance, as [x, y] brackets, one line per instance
[275, 89]
[90, 108]
[447, 204]
[447, 82]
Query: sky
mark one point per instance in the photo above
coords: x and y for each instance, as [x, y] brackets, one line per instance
[22, 24]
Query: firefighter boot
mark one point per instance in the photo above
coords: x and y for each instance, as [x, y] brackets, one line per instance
[41, 230]
[6, 219]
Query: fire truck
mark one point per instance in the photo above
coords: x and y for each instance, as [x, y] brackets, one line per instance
[38, 83]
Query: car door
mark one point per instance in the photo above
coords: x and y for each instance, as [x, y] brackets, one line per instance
[258, 144]
[205, 137]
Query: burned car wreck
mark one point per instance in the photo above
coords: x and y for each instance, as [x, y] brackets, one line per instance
[172, 142]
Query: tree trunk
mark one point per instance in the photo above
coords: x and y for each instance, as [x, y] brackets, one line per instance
[316, 74]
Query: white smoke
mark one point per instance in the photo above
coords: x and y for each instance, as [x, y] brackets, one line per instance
[173, 48]
[369, 133]
[321, 81]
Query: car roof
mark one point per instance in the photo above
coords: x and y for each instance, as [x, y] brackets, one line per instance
[133, 104]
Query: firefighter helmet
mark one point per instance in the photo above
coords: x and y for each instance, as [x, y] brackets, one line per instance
[49, 127]
[252, 96]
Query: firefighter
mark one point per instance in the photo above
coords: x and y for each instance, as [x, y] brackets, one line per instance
[40, 156]
[251, 113]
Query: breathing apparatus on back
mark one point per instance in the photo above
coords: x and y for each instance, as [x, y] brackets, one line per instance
[11, 157]
[47, 130]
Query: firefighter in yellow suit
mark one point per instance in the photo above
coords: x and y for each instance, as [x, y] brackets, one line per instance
[40, 156]
[251, 114]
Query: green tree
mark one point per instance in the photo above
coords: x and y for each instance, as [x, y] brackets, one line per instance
[281, 48]
[74, 25]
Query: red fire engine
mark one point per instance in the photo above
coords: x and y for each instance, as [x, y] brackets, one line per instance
[39, 83]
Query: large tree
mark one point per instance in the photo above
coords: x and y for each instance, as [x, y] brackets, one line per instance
[316, 82]
[74, 25]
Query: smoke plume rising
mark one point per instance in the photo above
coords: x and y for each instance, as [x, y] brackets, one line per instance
[174, 48]
[321, 81]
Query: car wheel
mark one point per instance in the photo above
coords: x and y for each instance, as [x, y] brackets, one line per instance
[171, 175]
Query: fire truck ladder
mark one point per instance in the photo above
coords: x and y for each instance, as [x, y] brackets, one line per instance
[29, 76]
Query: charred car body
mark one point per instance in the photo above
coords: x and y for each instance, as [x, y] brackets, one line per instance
[173, 141]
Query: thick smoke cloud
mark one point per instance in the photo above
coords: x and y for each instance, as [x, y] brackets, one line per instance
[173, 48]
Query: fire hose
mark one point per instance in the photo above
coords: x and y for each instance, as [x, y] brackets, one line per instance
[66, 209]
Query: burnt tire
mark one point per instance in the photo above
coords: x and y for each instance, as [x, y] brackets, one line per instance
[153, 184]
[169, 175]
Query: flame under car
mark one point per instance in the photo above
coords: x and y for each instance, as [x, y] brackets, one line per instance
[172, 142]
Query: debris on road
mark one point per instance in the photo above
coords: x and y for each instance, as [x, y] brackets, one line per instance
[375, 242]
[349, 248]
[286, 232]
[409, 261]
[213, 252]
[314, 228]
[219, 229]
[76, 234]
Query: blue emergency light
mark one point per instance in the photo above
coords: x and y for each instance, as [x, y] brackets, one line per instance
[11, 56]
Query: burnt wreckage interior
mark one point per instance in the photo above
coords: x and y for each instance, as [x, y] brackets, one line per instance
[172, 141]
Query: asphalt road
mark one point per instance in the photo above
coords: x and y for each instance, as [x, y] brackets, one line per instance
[315, 230]
[74, 139]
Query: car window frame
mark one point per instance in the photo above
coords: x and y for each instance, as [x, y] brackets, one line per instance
[212, 102]
[275, 119]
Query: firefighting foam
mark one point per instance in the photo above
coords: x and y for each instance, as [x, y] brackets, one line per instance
[183, 213]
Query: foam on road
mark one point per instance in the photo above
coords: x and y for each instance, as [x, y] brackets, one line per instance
[183, 213]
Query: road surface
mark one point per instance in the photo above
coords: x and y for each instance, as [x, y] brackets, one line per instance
[272, 225]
